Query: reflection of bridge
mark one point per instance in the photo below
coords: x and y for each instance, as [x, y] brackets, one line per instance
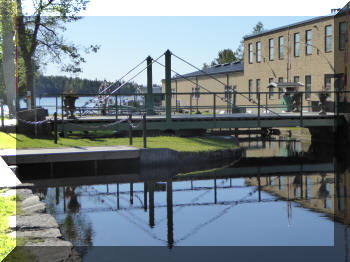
[221, 180]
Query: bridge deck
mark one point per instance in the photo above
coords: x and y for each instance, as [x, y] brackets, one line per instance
[183, 121]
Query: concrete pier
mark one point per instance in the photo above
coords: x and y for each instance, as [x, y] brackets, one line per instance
[72, 154]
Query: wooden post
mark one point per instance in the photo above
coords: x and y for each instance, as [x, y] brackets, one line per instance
[168, 85]
[130, 129]
[144, 131]
[55, 126]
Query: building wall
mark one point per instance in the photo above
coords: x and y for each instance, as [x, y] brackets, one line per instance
[315, 65]
[318, 64]
[207, 85]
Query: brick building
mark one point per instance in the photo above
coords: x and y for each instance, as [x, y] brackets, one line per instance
[310, 52]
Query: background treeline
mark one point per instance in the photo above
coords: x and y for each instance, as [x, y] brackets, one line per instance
[55, 85]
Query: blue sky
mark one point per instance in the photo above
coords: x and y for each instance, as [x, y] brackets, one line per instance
[205, 28]
[125, 41]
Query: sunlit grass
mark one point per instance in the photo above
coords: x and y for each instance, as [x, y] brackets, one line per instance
[7, 209]
[184, 144]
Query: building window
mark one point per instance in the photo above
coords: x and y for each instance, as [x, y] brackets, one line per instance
[250, 48]
[196, 92]
[296, 79]
[280, 89]
[308, 37]
[271, 50]
[342, 32]
[250, 89]
[328, 38]
[258, 52]
[281, 47]
[296, 44]
[228, 93]
[257, 87]
[270, 89]
[307, 87]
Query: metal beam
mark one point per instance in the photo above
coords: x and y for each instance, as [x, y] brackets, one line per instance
[168, 85]
[149, 99]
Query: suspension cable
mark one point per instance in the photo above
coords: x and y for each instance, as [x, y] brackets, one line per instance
[186, 78]
[122, 77]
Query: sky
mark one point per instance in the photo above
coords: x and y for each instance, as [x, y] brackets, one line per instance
[129, 31]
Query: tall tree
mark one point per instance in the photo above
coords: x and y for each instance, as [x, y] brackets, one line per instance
[225, 56]
[40, 36]
[258, 28]
[8, 54]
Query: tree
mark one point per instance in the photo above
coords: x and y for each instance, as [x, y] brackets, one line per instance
[225, 56]
[40, 39]
[8, 54]
[258, 28]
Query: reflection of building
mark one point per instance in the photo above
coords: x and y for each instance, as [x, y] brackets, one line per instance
[319, 192]
[310, 52]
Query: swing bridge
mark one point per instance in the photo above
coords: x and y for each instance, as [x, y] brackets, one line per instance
[105, 111]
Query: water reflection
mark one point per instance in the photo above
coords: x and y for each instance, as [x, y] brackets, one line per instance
[282, 193]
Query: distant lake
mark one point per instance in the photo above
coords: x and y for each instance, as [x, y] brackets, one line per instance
[49, 103]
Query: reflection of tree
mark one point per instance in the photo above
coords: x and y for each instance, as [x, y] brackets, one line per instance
[322, 191]
[73, 204]
[74, 227]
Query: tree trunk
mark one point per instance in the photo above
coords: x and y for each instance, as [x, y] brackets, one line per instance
[8, 55]
[29, 77]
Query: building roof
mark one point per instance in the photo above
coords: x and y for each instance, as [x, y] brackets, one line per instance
[312, 20]
[214, 70]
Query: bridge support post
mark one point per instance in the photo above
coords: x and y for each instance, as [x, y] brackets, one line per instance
[168, 85]
[149, 98]
[169, 190]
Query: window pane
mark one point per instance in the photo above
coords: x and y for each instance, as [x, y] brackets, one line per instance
[271, 49]
[309, 42]
[257, 87]
[281, 48]
[250, 89]
[296, 44]
[258, 52]
[280, 90]
[328, 40]
[250, 53]
[342, 30]
[307, 87]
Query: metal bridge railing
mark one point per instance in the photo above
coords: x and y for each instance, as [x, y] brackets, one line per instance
[82, 106]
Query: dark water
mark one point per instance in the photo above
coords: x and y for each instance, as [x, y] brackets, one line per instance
[284, 192]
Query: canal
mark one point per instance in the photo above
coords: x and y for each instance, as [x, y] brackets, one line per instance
[287, 191]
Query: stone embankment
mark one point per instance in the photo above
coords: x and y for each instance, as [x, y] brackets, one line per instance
[37, 234]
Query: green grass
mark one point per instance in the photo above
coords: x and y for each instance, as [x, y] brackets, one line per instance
[182, 144]
[7, 209]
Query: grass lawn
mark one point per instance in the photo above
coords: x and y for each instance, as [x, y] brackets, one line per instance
[7, 209]
[183, 144]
